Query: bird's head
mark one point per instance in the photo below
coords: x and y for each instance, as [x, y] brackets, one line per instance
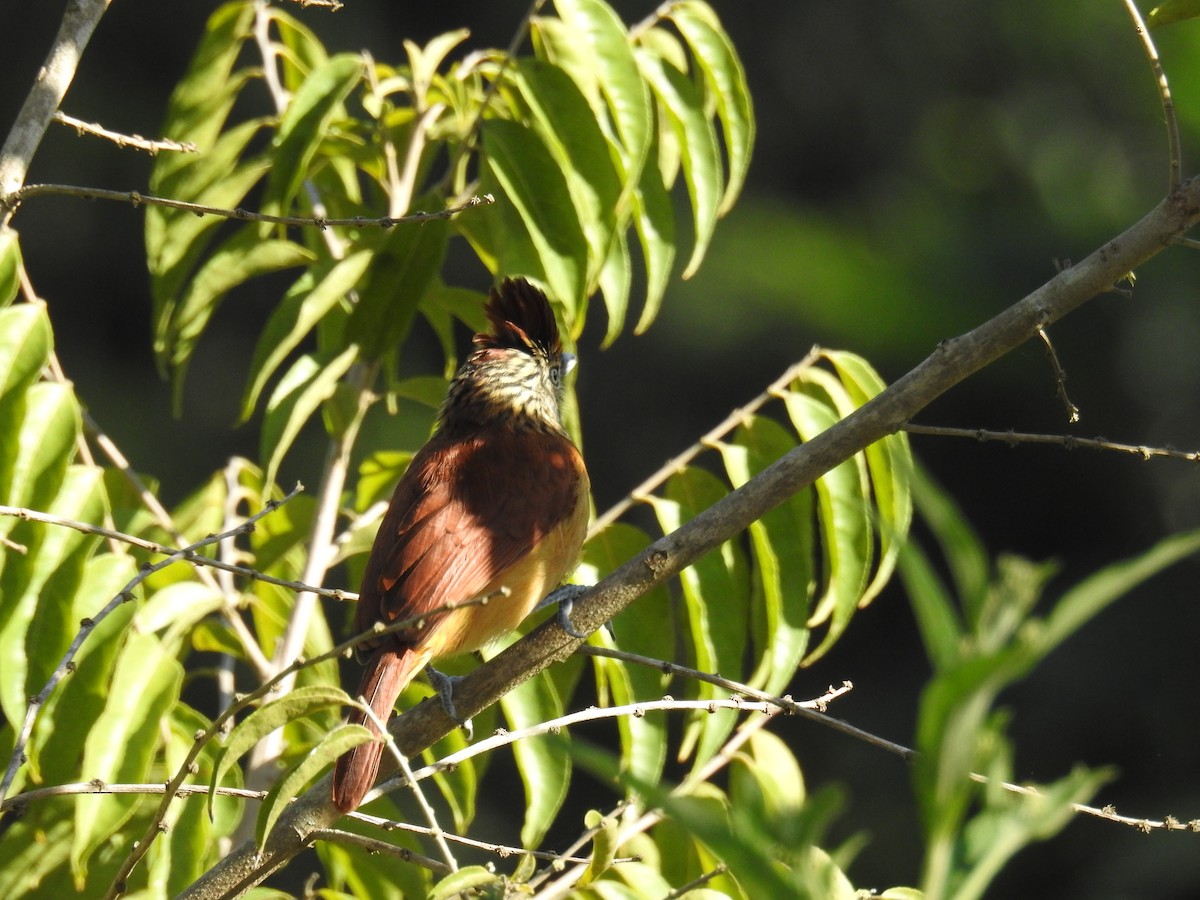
[517, 370]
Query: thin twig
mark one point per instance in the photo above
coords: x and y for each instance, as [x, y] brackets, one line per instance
[1066, 441]
[66, 664]
[1174, 153]
[813, 710]
[137, 198]
[374, 845]
[134, 141]
[738, 417]
[185, 554]
[503, 737]
[1060, 378]
[435, 830]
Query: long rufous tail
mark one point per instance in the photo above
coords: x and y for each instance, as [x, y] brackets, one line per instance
[388, 672]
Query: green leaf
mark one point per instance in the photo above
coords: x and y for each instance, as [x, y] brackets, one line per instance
[302, 308]
[45, 444]
[604, 845]
[464, 882]
[406, 263]
[65, 721]
[297, 704]
[726, 79]
[1171, 11]
[654, 218]
[303, 127]
[309, 382]
[716, 599]
[616, 279]
[10, 267]
[642, 628]
[333, 745]
[599, 40]
[890, 465]
[566, 124]
[242, 257]
[176, 238]
[529, 180]
[842, 509]
[545, 769]
[124, 741]
[201, 102]
[784, 554]
[683, 104]
[35, 633]
[26, 341]
[176, 608]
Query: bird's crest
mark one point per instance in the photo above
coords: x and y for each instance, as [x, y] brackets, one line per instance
[521, 319]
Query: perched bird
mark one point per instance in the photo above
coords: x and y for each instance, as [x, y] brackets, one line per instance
[495, 504]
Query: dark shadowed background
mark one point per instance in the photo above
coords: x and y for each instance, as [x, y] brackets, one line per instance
[919, 166]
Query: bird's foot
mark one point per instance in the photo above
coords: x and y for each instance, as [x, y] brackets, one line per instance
[565, 597]
[444, 685]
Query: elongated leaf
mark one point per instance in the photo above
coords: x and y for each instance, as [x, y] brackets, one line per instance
[545, 769]
[683, 104]
[34, 633]
[1170, 11]
[726, 79]
[716, 598]
[530, 180]
[406, 263]
[46, 444]
[325, 753]
[303, 127]
[464, 882]
[566, 124]
[309, 382]
[56, 745]
[125, 740]
[654, 218]
[784, 556]
[845, 525]
[644, 628]
[201, 102]
[890, 465]
[297, 704]
[295, 318]
[615, 280]
[10, 267]
[599, 38]
[175, 238]
[25, 344]
[241, 258]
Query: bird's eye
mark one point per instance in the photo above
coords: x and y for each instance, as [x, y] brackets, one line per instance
[555, 375]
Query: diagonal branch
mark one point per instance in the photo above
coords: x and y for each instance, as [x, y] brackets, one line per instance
[951, 362]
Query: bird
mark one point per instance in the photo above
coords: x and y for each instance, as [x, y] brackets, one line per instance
[495, 504]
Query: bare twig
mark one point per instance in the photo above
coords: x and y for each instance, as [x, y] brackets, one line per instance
[134, 141]
[1060, 378]
[677, 464]
[185, 554]
[1066, 441]
[137, 198]
[1174, 153]
[435, 830]
[374, 845]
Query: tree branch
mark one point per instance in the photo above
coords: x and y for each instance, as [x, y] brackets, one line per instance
[54, 78]
[951, 362]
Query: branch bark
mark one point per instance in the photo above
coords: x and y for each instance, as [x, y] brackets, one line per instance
[78, 22]
[951, 362]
